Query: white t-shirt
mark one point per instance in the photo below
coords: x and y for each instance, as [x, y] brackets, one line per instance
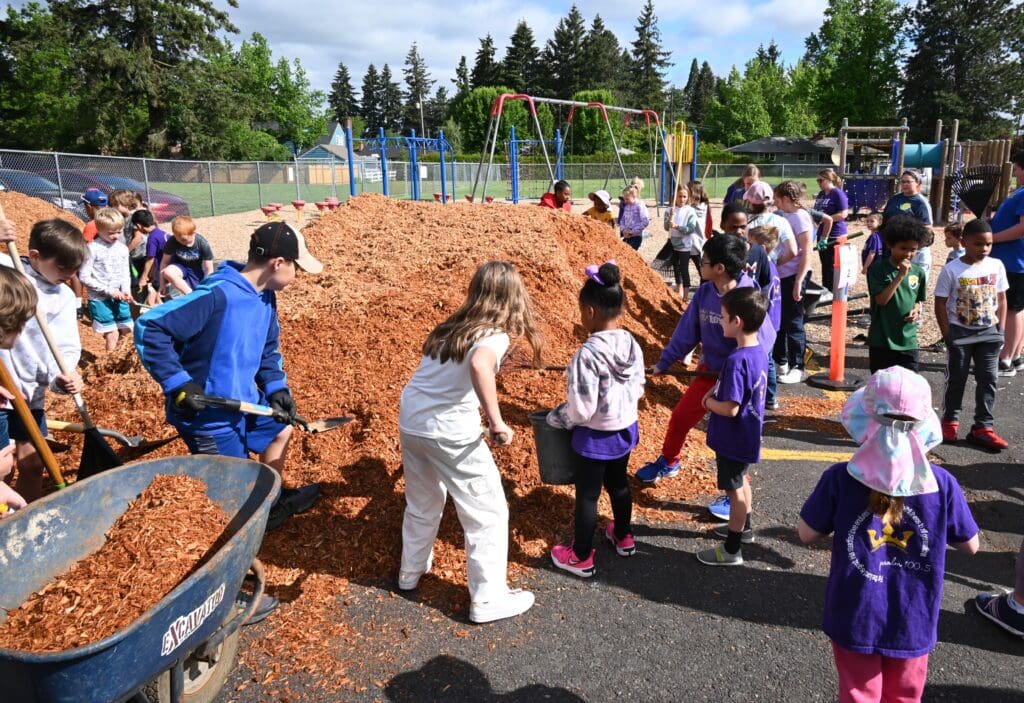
[770, 219]
[799, 221]
[971, 291]
[439, 401]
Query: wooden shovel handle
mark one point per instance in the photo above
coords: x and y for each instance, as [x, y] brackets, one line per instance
[34, 434]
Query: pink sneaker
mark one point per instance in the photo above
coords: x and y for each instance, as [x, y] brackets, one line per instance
[564, 558]
[625, 547]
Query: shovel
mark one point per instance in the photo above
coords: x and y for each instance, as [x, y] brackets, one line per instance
[77, 427]
[316, 426]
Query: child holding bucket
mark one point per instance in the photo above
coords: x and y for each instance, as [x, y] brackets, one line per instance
[893, 513]
[605, 382]
[443, 449]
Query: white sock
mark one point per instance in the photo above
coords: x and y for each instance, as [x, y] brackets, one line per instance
[1019, 607]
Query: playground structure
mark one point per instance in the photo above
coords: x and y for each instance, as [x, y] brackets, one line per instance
[414, 146]
[674, 158]
[972, 174]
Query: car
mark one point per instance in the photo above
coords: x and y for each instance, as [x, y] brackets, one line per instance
[29, 183]
[164, 206]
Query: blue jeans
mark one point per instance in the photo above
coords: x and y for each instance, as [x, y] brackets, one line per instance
[791, 341]
[772, 393]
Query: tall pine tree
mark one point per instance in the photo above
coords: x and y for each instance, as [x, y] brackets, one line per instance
[692, 80]
[390, 102]
[418, 85]
[371, 102]
[647, 76]
[486, 71]
[600, 65]
[521, 65]
[563, 56]
[342, 99]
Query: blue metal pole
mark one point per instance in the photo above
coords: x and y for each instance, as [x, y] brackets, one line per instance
[440, 148]
[384, 163]
[513, 164]
[351, 158]
[414, 165]
[559, 162]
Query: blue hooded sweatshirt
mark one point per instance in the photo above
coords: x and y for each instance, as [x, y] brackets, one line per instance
[223, 336]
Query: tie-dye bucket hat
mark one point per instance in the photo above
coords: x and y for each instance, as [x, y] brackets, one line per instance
[893, 453]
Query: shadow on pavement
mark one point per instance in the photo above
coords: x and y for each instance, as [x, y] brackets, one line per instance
[447, 679]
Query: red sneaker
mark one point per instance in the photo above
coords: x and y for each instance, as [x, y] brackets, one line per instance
[986, 438]
[949, 430]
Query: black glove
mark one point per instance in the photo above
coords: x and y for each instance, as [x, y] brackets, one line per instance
[184, 400]
[283, 405]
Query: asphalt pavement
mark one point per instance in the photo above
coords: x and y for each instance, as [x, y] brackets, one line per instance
[662, 627]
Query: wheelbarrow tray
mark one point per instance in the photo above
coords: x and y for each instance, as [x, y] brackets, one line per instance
[45, 540]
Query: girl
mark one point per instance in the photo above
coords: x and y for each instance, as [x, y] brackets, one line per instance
[734, 193]
[605, 382]
[893, 513]
[443, 450]
[793, 275]
[633, 217]
[832, 201]
[874, 247]
[701, 204]
[686, 236]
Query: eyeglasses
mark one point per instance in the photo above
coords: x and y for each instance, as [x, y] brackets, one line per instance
[704, 262]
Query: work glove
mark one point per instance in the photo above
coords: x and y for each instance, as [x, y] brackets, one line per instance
[184, 400]
[283, 405]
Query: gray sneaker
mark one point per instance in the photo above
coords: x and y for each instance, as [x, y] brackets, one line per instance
[1007, 369]
[717, 556]
[723, 532]
[1018, 363]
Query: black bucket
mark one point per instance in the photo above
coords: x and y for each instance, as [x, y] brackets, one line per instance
[554, 451]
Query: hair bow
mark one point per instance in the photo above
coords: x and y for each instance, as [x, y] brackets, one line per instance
[592, 272]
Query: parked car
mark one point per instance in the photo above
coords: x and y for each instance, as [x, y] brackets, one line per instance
[164, 206]
[29, 183]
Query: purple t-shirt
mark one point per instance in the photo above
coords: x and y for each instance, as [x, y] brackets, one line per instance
[604, 444]
[830, 203]
[774, 295]
[743, 380]
[155, 248]
[884, 590]
[873, 244]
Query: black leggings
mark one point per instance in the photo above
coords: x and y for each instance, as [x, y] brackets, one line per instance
[827, 256]
[591, 474]
[681, 267]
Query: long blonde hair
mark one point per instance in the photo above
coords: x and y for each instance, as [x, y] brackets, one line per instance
[889, 508]
[497, 299]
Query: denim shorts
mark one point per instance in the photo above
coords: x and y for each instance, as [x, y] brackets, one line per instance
[11, 426]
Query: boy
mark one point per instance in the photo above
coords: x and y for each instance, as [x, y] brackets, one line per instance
[970, 307]
[560, 199]
[767, 237]
[92, 199]
[17, 306]
[187, 258]
[56, 251]
[736, 404]
[156, 239]
[896, 286]
[223, 341]
[107, 279]
[954, 235]
[601, 211]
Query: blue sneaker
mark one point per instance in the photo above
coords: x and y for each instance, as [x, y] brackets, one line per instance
[657, 470]
[720, 507]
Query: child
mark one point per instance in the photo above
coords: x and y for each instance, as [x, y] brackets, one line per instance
[107, 280]
[970, 307]
[156, 240]
[874, 247]
[560, 199]
[758, 266]
[701, 204]
[605, 382]
[791, 343]
[92, 200]
[722, 270]
[897, 289]
[736, 404]
[17, 306]
[56, 251]
[633, 217]
[600, 210]
[443, 449]
[954, 234]
[686, 236]
[893, 514]
[187, 258]
[768, 238]
[761, 198]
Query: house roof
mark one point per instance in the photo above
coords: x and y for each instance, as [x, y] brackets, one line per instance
[329, 134]
[785, 145]
[326, 151]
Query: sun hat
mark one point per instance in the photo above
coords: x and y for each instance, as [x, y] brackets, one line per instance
[759, 193]
[893, 453]
[281, 239]
[601, 195]
[95, 197]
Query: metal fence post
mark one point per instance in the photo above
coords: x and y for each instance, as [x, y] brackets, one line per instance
[60, 182]
[145, 179]
[334, 179]
[259, 184]
[295, 162]
[209, 171]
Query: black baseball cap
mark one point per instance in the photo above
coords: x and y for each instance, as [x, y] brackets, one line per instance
[281, 239]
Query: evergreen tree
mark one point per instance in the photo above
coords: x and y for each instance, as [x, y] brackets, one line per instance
[342, 99]
[707, 89]
[418, 86]
[647, 84]
[390, 102]
[675, 105]
[964, 66]
[563, 55]
[600, 64]
[436, 111]
[521, 65]
[461, 79]
[692, 81]
[371, 111]
[485, 71]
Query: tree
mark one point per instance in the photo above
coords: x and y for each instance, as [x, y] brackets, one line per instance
[964, 66]
[703, 94]
[436, 110]
[738, 114]
[342, 99]
[563, 55]
[371, 102]
[390, 102]
[520, 67]
[461, 79]
[600, 64]
[485, 71]
[857, 53]
[692, 81]
[472, 111]
[418, 86]
[647, 84]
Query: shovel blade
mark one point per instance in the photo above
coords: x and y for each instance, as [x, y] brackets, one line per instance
[327, 424]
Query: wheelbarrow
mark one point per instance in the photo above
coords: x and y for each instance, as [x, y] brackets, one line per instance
[180, 650]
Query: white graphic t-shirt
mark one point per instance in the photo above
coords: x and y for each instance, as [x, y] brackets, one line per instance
[972, 291]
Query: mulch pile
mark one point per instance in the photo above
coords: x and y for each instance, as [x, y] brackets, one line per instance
[24, 211]
[165, 534]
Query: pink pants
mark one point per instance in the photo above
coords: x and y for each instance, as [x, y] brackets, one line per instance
[872, 678]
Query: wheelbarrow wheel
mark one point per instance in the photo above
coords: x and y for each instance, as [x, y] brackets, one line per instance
[203, 678]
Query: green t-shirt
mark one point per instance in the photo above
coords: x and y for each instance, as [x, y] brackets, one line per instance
[888, 328]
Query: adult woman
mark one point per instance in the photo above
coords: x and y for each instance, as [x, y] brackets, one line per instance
[793, 274]
[832, 201]
[909, 201]
[751, 174]
[1008, 247]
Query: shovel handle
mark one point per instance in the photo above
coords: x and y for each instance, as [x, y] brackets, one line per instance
[240, 406]
[34, 434]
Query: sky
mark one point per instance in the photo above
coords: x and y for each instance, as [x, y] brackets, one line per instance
[321, 33]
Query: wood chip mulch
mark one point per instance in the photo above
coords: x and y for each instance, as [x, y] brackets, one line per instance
[163, 536]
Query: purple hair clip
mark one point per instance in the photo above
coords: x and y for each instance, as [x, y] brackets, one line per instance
[592, 272]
